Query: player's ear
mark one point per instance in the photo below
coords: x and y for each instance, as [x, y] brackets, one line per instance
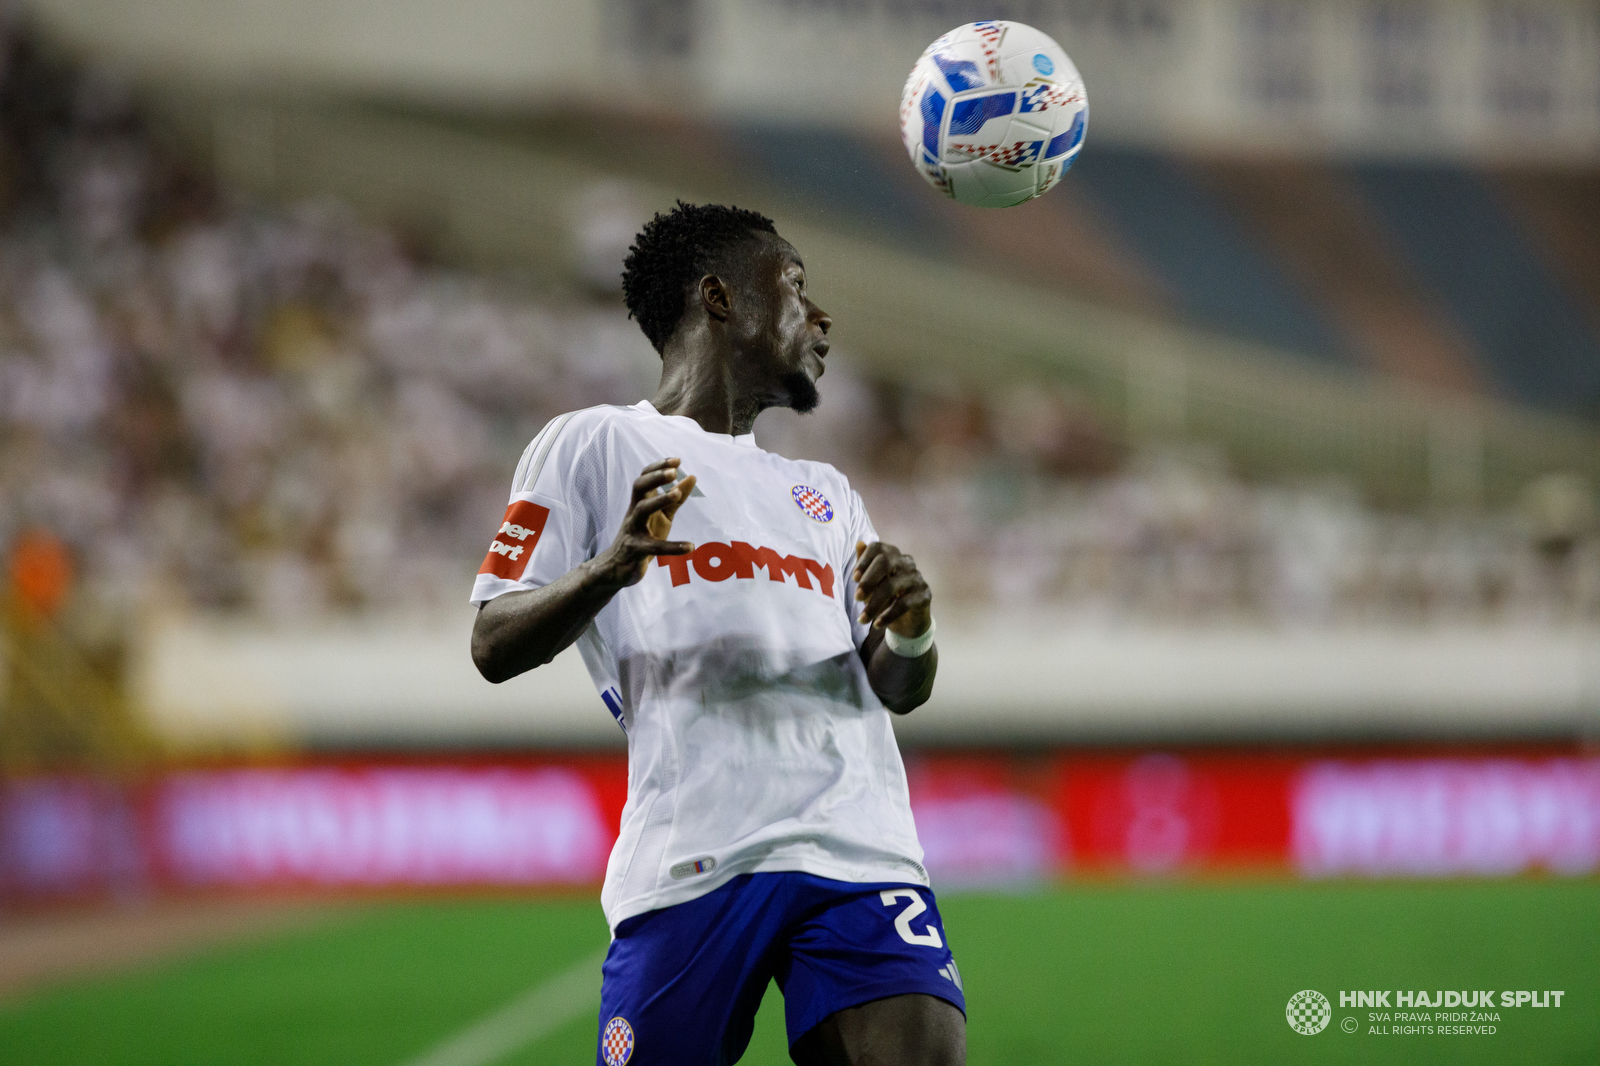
[715, 298]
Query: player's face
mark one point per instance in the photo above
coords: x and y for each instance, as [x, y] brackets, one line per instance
[788, 331]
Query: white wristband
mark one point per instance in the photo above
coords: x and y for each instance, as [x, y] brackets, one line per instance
[910, 647]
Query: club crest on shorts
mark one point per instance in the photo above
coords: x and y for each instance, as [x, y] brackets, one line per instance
[616, 1042]
[813, 503]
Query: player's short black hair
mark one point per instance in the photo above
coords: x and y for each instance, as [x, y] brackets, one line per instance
[674, 251]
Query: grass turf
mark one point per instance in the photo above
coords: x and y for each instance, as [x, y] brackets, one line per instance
[1147, 973]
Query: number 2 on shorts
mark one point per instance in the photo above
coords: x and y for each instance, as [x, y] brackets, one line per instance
[902, 924]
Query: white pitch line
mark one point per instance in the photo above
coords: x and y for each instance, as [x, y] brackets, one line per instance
[536, 1013]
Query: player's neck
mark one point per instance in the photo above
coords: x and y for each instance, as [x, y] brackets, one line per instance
[701, 386]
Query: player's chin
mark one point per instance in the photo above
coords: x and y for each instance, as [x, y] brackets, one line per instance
[801, 392]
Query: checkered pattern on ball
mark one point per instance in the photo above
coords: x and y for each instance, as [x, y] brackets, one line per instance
[1042, 96]
[616, 1042]
[1308, 1012]
[1004, 155]
[990, 34]
[813, 503]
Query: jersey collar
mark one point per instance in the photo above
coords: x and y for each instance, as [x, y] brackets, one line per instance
[746, 440]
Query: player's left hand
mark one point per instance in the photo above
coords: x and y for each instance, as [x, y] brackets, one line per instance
[892, 590]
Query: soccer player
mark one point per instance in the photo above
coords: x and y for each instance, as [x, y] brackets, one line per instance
[752, 663]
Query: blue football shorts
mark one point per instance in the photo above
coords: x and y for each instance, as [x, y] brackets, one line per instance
[682, 984]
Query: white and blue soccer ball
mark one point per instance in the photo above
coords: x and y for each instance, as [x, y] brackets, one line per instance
[993, 113]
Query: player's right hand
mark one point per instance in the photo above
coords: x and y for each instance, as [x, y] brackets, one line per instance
[648, 523]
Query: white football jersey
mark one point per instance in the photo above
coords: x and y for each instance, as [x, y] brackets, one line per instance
[755, 742]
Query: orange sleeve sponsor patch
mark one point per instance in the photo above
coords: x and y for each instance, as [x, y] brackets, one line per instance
[519, 532]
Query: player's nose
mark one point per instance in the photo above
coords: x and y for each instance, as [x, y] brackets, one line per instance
[821, 318]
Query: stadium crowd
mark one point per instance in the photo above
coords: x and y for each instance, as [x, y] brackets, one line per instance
[226, 406]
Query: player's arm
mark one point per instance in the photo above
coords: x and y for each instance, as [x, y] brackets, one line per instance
[521, 630]
[894, 595]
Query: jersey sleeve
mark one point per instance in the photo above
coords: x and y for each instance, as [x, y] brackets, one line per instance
[861, 529]
[550, 525]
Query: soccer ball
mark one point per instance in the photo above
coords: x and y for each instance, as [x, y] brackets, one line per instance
[993, 113]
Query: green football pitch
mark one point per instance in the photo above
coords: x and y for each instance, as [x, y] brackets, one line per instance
[1115, 973]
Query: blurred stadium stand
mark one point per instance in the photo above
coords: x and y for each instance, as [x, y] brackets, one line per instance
[1422, 272]
[1269, 447]
[1536, 340]
[1323, 234]
[1203, 256]
[292, 415]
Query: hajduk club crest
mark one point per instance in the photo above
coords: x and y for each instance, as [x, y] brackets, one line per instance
[616, 1042]
[813, 503]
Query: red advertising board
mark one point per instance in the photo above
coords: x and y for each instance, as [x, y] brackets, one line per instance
[983, 818]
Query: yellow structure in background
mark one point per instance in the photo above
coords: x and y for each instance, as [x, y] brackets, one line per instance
[63, 702]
